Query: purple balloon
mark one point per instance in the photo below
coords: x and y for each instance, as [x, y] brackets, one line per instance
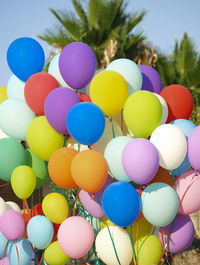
[151, 79]
[92, 205]
[12, 225]
[77, 64]
[57, 105]
[182, 234]
[140, 160]
[4, 261]
[194, 148]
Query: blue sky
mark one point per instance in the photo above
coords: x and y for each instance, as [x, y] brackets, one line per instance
[165, 21]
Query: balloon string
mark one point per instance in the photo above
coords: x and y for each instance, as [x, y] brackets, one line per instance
[36, 259]
[3, 185]
[41, 260]
[85, 261]
[137, 231]
[122, 122]
[187, 189]
[4, 254]
[171, 173]
[79, 147]
[113, 130]
[17, 250]
[130, 235]
[28, 209]
[74, 208]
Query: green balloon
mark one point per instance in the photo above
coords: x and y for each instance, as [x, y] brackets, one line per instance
[12, 155]
[39, 167]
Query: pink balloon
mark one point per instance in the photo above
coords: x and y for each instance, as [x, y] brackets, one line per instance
[75, 237]
[187, 188]
[4, 261]
[12, 225]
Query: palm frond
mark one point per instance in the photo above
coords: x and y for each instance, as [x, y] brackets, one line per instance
[81, 12]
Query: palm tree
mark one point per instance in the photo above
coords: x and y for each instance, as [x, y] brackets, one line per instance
[104, 25]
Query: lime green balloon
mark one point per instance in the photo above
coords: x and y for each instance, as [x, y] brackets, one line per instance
[39, 167]
[12, 155]
[54, 255]
[142, 113]
[23, 181]
[148, 250]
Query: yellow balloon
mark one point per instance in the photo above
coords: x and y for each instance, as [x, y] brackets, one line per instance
[142, 113]
[23, 181]
[3, 94]
[109, 90]
[42, 139]
[139, 228]
[148, 250]
[55, 207]
[54, 255]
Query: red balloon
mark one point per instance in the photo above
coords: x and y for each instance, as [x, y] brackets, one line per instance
[179, 101]
[84, 97]
[37, 88]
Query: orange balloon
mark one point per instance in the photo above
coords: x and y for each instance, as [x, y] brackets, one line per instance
[59, 167]
[89, 170]
[164, 176]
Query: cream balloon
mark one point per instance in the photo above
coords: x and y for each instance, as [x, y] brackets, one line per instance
[12, 206]
[3, 135]
[171, 145]
[105, 250]
[164, 108]
[15, 88]
[2, 206]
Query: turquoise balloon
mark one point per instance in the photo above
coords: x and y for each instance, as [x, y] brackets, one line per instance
[159, 204]
[113, 156]
[15, 117]
[130, 71]
[15, 88]
[3, 243]
[40, 231]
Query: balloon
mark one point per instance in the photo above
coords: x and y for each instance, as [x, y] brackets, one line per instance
[187, 188]
[164, 176]
[142, 113]
[12, 225]
[151, 79]
[159, 204]
[83, 97]
[4, 261]
[93, 205]
[15, 88]
[40, 231]
[177, 242]
[21, 248]
[121, 240]
[120, 203]
[109, 91]
[140, 152]
[179, 101]
[194, 148]
[3, 244]
[54, 255]
[75, 236]
[3, 207]
[3, 135]
[77, 64]
[111, 131]
[12, 155]
[3, 94]
[55, 207]
[12, 206]
[171, 145]
[148, 250]
[130, 72]
[23, 181]
[38, 167]
[55, 71]
[164, 108]
[59, 167]
[42, 139]
[36, 90]
[25, 57]
[89, 170]
[87, 89]
[15, 117]
[57, 106]
[86, 123]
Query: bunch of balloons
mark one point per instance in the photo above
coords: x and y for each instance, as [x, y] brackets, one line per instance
[123, 158]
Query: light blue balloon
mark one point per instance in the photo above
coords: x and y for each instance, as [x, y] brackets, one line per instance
[159, 204]
[130, 71]
[182, 168]
[23, 247]
[3, 243]
[40, 231]
[15, 88]
[113, 156]
[15, 117]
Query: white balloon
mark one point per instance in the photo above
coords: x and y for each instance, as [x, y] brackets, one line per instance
[110, 132]
[12, 206]
[2, 206]
[171, 145]
[105, 250]
[164, 108]
[15, 88]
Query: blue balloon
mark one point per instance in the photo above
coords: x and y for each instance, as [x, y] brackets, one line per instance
[121, 203]
[182, 168]
[3, 243]
[40, 231]
[22, 247]
[86, 123]
[25, 57]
